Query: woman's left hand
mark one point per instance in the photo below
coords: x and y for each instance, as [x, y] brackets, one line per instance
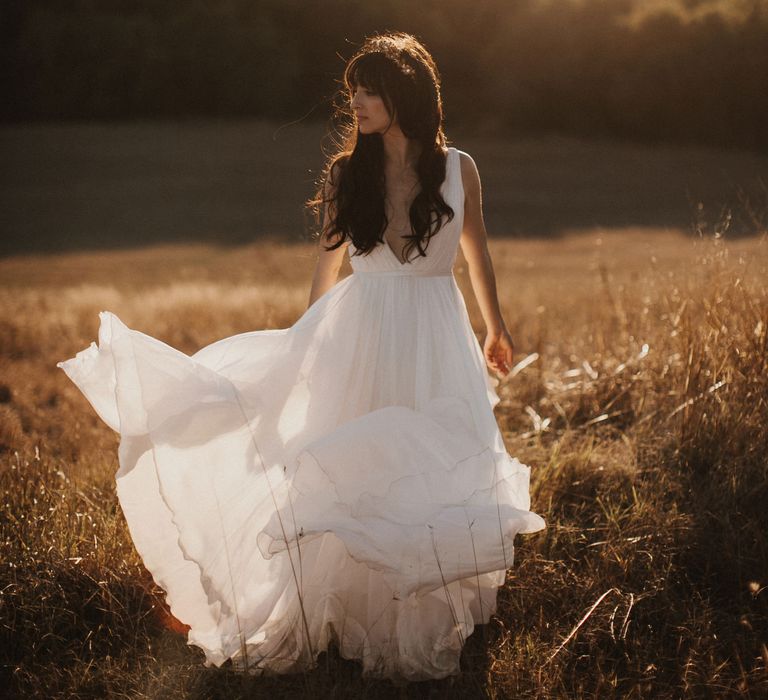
[497, 350]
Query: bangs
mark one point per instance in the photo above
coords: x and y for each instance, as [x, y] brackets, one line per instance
[366, 71]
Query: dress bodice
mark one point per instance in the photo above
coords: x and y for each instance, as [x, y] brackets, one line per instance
[443, 246]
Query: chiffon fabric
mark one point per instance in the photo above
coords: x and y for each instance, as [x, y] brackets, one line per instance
[342, 479]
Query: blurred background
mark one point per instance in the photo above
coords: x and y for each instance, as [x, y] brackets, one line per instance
[132, 122]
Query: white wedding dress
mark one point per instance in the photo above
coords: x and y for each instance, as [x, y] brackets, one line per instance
[344, 478]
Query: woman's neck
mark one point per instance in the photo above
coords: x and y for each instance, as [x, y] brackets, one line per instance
[401, 153]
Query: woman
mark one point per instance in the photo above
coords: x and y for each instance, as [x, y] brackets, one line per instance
[397, 133]
[345, 478]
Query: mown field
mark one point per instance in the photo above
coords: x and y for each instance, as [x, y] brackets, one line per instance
[640, 402]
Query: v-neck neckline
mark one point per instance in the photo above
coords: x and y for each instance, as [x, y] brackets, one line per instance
[384, 240]
[394, 255]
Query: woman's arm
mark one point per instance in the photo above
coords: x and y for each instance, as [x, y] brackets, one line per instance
[498, 345]
[328, 261]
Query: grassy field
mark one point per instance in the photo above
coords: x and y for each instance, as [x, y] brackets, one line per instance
[642, 410]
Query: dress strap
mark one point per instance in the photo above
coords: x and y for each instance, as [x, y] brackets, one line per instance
[456, 186]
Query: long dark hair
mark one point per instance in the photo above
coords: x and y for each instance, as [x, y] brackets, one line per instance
[396, 66]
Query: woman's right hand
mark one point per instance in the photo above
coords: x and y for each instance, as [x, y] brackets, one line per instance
[498, 351]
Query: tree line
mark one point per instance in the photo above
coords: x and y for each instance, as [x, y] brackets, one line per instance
[508, 66]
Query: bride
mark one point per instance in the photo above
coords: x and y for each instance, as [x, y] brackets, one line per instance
[344, 479]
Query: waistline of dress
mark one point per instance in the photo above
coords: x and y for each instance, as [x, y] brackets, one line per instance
[402, 273]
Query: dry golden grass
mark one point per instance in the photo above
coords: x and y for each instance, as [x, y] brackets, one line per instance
[642, 407]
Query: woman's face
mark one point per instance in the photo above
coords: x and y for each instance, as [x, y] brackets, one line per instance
[370, 110]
